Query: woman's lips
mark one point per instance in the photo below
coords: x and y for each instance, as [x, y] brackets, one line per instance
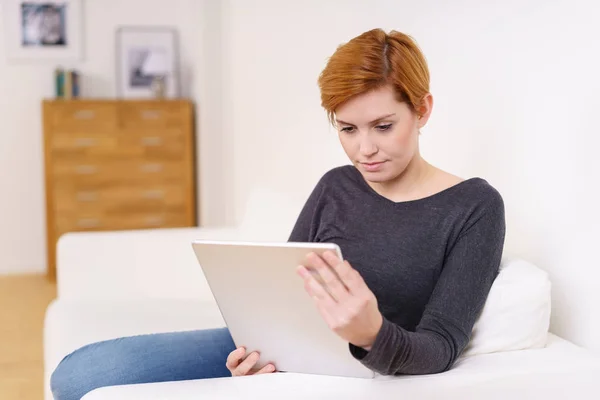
[372, 166]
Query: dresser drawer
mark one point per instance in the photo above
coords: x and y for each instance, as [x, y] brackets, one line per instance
[117, 172]
[164, 144]
[119, 198]
[160, 144]
[76, 115]
[96, 221]
[153, 115]
[83, 144]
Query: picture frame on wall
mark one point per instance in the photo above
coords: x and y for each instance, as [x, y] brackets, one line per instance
[43, 30]
[147, 63]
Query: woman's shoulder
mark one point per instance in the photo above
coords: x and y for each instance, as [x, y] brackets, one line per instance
[463, 195]
[339, 175]
[477, 196]
[480, 190]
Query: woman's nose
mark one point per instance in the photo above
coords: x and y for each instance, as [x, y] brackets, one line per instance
[367, 147]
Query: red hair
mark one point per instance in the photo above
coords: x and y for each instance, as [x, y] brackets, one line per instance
[370, 61]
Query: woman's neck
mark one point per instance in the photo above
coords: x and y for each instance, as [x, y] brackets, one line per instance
[411, 184]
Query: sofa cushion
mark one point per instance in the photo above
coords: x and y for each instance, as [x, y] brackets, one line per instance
[270, 215]
[560, 371]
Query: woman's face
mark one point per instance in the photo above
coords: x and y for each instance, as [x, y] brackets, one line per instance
[379, 134]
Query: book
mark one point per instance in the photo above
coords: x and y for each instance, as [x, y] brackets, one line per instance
[59, 83]
[68, 89]
[75, 82]
[67, 84]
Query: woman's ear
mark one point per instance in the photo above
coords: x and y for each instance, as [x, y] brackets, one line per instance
[424, 111]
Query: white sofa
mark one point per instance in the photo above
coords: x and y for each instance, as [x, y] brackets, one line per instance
[113, 284]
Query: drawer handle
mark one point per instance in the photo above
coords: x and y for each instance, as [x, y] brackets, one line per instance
[86, 169]
[153, 194]
[88, 223]
[85, 142]
[154, 221]
[84, 114]
[151, 168]
[151, 141]
[87, 196]
[150, 114]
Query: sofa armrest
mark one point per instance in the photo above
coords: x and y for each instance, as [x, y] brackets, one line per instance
[157, 263]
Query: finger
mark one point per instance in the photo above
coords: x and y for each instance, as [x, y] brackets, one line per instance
[246, 365]
[324, 266]
[234, 358]
[314, 288]
[328, 313]
[266, 369]
[326, 306]
[349, 276]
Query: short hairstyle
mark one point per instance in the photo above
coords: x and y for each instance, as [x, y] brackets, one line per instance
[372, 60]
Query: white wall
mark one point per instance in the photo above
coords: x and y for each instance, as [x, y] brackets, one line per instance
[22, 87]
[515, 99]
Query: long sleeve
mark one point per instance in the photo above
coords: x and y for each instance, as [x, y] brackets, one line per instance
[307, 222]
[470, 267]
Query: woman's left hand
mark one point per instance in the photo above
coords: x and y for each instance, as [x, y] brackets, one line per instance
[347, 305]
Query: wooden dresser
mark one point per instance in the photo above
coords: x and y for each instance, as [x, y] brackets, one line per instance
[116, 165]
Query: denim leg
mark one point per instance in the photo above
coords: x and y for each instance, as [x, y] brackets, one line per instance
[143, 359]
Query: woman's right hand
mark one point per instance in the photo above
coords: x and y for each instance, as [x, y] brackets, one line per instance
[239, 364]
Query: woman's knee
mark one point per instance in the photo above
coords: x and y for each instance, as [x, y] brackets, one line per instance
[71, 379]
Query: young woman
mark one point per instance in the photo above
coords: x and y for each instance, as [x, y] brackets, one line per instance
[422, 246]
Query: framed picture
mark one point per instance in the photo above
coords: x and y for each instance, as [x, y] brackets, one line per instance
[145, 55]
[43, 29]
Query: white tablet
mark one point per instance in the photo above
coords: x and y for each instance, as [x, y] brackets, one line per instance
[266, 308]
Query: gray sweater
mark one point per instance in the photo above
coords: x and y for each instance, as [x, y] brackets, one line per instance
[430, 262]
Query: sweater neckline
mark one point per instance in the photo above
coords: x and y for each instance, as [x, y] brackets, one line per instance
[422, 200]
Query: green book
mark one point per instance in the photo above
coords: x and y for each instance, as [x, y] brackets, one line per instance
[59, 78]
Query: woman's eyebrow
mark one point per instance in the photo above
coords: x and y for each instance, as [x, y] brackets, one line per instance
[339, 121]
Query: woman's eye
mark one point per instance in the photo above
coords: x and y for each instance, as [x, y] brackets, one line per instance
[383, 127]
[348, 129]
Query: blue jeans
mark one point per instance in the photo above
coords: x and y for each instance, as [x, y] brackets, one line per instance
[158, 357]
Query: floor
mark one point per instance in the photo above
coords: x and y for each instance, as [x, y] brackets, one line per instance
[23, 301]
